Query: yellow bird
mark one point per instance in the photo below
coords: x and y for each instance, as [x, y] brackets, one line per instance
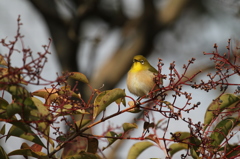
[140, 79]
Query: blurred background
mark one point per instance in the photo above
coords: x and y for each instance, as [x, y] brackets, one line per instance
[100, 37]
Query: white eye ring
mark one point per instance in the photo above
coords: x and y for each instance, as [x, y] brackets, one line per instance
[142, 62]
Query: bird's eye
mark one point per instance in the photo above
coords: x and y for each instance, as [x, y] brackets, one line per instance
[142, 62]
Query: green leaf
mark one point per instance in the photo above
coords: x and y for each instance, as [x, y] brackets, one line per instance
[3, 114]
[121, 100]
[231, 150]
[194, 153]
[42, 110]
[10, 76]
[13, 109]
[187, 141]
[21, 107]
[218, 105]
[29, 152]
[17, 91]
[97, 102]
[43, 114]
[61, 139]
[21, 125]
[105, 98]
[33, 151]
[179, 137]
[83, 122]
[84, 155]
[113, 137]
[29, 135]
[129, 126]
[138, 148]
[79, 77]
[134, 110]
[48, 94]
[92, 145]
[27, 108]
[194, 147]
[3, 104]
[70, 110]
[66, 89]
[2, 131]
[222, 129]
[176, 147]
[3, 61]
[3, 154]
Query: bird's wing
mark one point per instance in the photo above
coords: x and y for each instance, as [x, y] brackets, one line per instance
[152, 69]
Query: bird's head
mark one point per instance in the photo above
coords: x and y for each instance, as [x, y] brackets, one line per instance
[140, 63]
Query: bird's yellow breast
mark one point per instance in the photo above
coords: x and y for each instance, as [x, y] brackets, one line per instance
[137, 66]
[140, 81]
